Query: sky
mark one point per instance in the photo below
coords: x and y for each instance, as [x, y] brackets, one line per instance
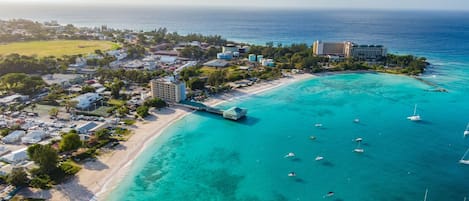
[305, 4]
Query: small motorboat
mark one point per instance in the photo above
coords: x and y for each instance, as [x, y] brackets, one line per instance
[292, 174]
[312, 137]
[356, 120]
[329, 194]
[290, 155]
[318, 125]
[358, 139]
[318, 158]
[358, 150]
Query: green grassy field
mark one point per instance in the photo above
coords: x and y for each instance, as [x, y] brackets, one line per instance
[56, 48]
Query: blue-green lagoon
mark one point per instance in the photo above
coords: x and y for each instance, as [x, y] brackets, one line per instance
[205, 157]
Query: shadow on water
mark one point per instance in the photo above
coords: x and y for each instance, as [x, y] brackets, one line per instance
[296, 160]
[248, 120]
[328, 164]
[299, 180]
[424, 122]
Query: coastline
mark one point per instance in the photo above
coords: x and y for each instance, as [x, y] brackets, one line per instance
[98, 178]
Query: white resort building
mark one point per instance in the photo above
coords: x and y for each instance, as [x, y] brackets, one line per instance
[168, 89]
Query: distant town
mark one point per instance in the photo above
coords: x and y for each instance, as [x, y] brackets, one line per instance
[63, 105]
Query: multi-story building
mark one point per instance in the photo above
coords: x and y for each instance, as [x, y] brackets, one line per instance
[328, 48]
[168, 89]
[350, 50]
[365, 52]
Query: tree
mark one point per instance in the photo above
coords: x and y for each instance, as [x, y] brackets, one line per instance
[44, 156]
[142, 111]
[70, 141]
[17, 177]
[87, 89]
[155, 102]
[69, 104]
[21, 83]
[102, 134]
[196, 83]
[122, 111]
[54, 112]
[116, 87]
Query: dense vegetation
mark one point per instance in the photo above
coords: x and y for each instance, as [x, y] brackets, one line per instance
[21, 83]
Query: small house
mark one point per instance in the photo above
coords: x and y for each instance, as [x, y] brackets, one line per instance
[13, 137]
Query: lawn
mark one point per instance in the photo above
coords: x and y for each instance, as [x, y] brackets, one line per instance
[57, 47]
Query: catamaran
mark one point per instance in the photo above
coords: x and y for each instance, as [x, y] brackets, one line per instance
[466, 132]
[464, 161]
[414, 117]
[358, 149]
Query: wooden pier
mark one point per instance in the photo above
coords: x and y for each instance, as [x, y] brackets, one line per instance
[234, 113]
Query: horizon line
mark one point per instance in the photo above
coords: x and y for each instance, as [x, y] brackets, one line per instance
[234, 8]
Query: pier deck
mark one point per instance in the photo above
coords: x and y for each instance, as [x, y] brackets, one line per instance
[234, 113]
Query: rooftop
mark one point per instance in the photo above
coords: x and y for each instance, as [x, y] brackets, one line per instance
[217, 63]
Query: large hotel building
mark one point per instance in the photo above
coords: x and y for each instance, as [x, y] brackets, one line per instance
[350, 49]
[168, 89]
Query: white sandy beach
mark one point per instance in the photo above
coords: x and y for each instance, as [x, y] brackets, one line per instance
[98, 178]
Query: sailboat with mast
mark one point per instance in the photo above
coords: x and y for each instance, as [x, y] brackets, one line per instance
[466, 132]
[464, 161]
[415, 116]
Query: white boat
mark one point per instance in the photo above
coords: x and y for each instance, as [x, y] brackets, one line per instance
[466, 132]
[329, 194]
[292, 174]
[290, 155]
[318, 125]
[358, 149]
[415, 116]
[312, 137]
[318, 158]
[356, 120]
[463, 161]
[358, 139]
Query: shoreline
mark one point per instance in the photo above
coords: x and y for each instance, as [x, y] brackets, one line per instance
[99, 178]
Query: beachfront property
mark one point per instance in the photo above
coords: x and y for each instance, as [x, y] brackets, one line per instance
[349, 50]
[84, 101]
[169, 89]
[234, 113]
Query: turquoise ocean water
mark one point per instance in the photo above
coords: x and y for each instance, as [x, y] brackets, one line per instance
[203, 157]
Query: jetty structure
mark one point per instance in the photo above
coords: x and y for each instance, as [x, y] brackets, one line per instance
[173, 91]
[233, 113]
